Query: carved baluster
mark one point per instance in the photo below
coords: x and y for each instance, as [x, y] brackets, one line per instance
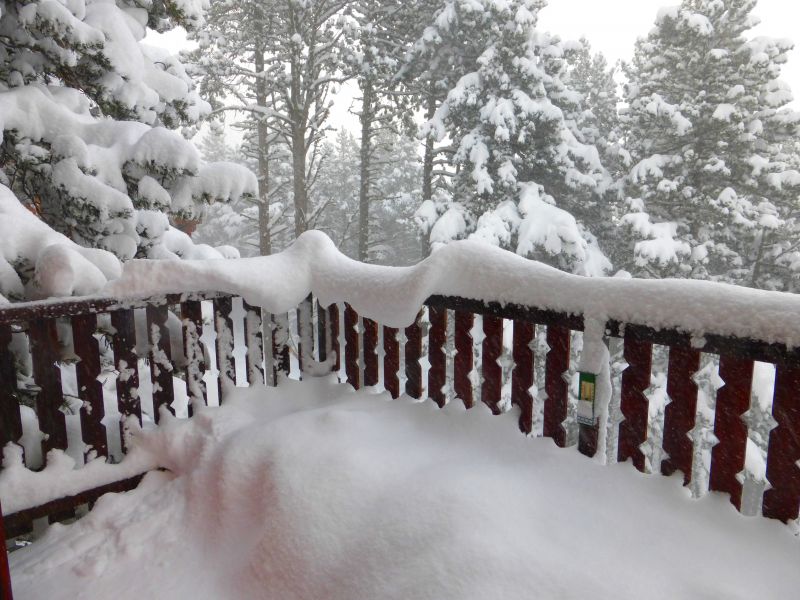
[556, 387]
[462, 363]
[413, 352]
[192, 321]
[161, 366]
[90, 390]
[522, 375]
[782, 500]
[126, 363]
[634, 404]
[255, 343]
[733, 400]
[437, 338]
[351, 347]
[391, 361]
[370, 337]
[47, 375]
[305, 331]
[491, 370]
[679, 415]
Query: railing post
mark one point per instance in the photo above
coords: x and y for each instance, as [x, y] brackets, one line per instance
[127, 366]
[491, 371]
[10, 418]
[223, 325]
[46, 374]
[192, 321]
[5, 572]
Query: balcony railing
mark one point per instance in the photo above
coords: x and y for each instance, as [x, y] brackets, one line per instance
[432, 358]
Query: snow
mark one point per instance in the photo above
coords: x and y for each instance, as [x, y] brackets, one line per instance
[312, 490]
[470, 269]
[60, 267]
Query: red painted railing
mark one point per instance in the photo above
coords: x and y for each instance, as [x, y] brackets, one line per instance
[373, 355]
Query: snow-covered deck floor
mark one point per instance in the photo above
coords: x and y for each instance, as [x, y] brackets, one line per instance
[314, 491]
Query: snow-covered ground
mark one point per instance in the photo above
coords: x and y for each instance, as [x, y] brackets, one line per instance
[312, 490]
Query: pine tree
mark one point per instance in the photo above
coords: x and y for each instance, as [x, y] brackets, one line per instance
[85, 115]
[713, 191]
[521, 170]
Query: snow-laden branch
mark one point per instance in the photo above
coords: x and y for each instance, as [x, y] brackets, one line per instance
[470, 269]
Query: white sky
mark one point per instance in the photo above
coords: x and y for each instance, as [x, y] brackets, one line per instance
[611, 26]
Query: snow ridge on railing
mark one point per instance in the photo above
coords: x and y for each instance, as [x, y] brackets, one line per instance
[473, 270]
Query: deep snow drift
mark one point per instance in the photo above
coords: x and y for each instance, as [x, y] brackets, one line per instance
[311, 490]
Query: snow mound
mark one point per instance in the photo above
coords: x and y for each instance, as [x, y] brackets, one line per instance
[470, 269]
[311, 490]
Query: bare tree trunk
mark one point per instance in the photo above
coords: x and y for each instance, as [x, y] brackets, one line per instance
[366, 154]
[264, 238]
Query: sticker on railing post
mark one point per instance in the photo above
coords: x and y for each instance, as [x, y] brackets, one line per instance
[586, 396]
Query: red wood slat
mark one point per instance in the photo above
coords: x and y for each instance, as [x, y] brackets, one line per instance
[556, 387]
[634, 404]
[254, 359]
[391, 361]
[223, 325]
[522, 374]
[323, 339]
[413, 352]
[370, 337]
[437, 338]
[305, 332]
[161, 367]
[10, 419]
[5, 572]
[351, 347]
[280, 345]
[679, 415]
[192, 322]
[733, 400]
[47, 375]
[462, 363]
[333, 328]
[125, 362]
[90, 390]
[491, 370]
[783, 499]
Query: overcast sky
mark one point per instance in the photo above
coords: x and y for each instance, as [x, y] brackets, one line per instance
[611, 26]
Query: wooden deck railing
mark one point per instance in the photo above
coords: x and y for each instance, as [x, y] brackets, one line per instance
[358, 345]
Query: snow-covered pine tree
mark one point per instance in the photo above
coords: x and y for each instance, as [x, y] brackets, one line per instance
[714, 186]
[522, 172]
[85, 108]
[596, 122]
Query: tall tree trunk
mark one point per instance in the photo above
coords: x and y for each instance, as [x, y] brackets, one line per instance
[427, 164]
[299, 177]
[264, 238]
[365, 155]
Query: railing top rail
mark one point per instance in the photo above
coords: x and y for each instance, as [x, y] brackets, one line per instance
[70, 307]
[711, 343]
